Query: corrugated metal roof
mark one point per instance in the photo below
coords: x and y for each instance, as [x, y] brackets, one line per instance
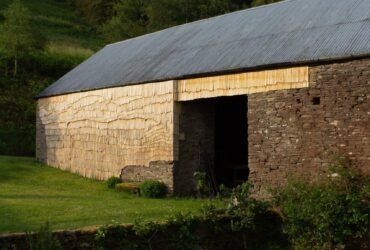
[288, 32]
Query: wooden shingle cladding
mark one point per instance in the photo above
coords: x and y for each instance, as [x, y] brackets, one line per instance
[242, 83]
[97, 133]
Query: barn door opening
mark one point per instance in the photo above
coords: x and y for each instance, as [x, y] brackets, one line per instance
[213, 138]
[231, 141]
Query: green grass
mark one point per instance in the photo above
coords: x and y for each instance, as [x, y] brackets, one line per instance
[62, 26]
[32, 193]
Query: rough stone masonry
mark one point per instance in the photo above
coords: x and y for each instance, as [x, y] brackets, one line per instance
[299, 132]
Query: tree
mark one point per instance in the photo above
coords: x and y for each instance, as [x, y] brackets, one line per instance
[137, 17]
[18, 38]
[263, 2]
[130, 20]
[95, 12]
[163, 13]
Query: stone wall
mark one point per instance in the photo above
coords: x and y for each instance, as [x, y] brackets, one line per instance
[298, 132]
[157, 170]
[97, 133]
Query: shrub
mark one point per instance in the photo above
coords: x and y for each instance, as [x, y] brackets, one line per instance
[243, 209]
[153, 189]
[202, 185]
[253, 222]
[224, 192]
[326, 215]
[112, 181]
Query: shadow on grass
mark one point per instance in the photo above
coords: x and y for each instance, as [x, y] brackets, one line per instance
[17, 168]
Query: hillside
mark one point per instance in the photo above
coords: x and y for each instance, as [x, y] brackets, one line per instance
[69, 41]
[62, 26]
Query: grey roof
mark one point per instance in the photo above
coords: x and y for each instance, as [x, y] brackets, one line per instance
[288, 32]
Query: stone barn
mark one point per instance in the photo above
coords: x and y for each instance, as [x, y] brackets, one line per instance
[260, 95]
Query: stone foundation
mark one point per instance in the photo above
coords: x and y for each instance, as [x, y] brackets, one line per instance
[157, 170]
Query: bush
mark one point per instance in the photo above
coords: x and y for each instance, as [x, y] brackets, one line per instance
[243, 209]
[326, 215]
[202, 184]
[112, 181]
[251, 222]
[153, 189]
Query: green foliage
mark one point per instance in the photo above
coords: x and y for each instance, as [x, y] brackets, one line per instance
[70, 42]
[202, 184]
[185, 231]
[43, 239]
[326, 215]
[224, 192]
[253, 222]
[141, 16]
[130, 20]
[18, 38]
[60, 23]
[53, 64]
[244, 209]
[113, 181]
[94, 11]
[153, 189]
[184, 11]
[17, 115]
[263, 2]
[101, 233]
[17, 141]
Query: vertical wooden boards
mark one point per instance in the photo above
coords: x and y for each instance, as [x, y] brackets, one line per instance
[242, 83]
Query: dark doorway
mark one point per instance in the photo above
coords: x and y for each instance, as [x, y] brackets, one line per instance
[213, 138]
[231, 145]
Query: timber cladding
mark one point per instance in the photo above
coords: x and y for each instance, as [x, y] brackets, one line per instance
[242, 83]
[97, 133]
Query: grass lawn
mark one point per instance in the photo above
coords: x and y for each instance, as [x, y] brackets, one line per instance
[32, 193]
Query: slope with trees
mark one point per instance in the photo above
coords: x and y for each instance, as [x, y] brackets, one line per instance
[40, 40]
